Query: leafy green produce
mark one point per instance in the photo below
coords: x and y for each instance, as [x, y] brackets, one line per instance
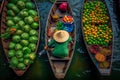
[33, 32]
[32, 46]
[10, 23]
[10, 13]
[19, 54]
[27, 55]
[24, 42]
[16, 38]
[23, 13]
[26, 28]
[18, 46]
[21, 24]
[21, 66]
[21, 4]
[15, 9]
[35, 25]
[32, 13]
[14, 62]
[33, 39]
[29, 5]
[26, 50]
[10, 5]
[19, 32]
[21, 59]
[29, 20]
[11, 45]
[16, 19]
[25, 36]
[11, 53]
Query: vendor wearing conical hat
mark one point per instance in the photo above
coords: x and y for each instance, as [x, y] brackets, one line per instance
[60, 39]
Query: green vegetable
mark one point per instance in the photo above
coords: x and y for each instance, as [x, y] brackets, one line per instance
[26, 50]
[21, 59]
[23, 13]
[10, 5]
[18, 46]
[32, 13]
[15, 9]
[21, 24]
[35, 25]
[33, 39]
[11, 53]
[19, 54]
[21, 4]
[16, 19]
[32, 46]
[24, 42]
[29, 5]
[10, 23]
[33, 32]
[26, 55]
[11, 45]
[25, 36]
[10, 13]
[13, 62]
[29, 20]
[19, 32]
[21, 66]
[16, 38]
[26, 28]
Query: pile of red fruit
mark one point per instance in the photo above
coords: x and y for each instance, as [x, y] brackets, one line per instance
[67, 19]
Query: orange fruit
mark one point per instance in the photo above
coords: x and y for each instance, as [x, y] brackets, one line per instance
[100, 57]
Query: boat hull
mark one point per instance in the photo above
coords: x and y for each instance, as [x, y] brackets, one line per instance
[59, 65]
[6, 42]
[103, 71]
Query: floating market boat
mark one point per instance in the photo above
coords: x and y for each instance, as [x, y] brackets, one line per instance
[98, 35]
[1, 5]
[11, 47]
[59, 65]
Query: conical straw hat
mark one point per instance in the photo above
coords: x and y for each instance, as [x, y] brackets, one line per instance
[61, 36]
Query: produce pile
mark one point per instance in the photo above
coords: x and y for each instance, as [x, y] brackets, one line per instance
[67, 19]
[96, 27]
[95, 12]
[98, 32]
[22, 25]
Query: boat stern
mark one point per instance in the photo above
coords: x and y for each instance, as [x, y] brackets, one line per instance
[19, 72]
[105, 72]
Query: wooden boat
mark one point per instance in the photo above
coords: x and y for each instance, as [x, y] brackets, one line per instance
[6, 42]
[104, 66]
[59, 65]
[1, 5]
